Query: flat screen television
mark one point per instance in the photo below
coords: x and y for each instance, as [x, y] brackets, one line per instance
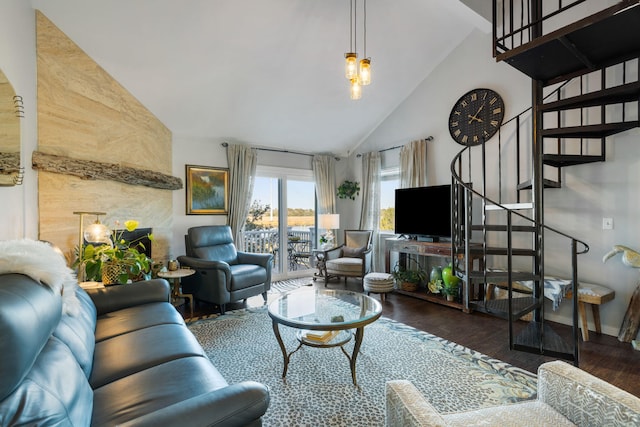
[424, 213]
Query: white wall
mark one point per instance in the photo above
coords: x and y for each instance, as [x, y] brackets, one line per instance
[590, 192]
[200, 152]
[19, 204]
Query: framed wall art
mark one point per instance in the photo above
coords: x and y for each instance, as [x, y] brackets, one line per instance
[207, 190]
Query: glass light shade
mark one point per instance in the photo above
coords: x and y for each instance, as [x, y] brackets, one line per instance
[351, 65]
[365, 71]
[356, 89]
[97, 233]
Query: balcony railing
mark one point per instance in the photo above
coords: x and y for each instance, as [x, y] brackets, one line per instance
[298, 251]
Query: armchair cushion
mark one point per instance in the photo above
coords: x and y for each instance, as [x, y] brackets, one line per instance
[352, 252]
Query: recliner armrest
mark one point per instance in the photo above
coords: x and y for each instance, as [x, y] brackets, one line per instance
[203, 264]
[116, 297]
[254, 258]
[236, 405]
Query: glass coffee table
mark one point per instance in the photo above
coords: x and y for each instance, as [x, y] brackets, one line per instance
[324, 318]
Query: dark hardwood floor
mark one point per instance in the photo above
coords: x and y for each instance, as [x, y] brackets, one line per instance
[603, 355]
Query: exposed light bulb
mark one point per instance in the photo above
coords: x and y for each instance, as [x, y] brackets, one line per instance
[356, 89]
[97, 233]
[351, 65]
[365, 71]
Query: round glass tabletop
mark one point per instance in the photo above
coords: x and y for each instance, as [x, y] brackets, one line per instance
[324, 309]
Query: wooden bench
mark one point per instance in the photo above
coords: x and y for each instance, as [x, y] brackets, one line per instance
[594, 295]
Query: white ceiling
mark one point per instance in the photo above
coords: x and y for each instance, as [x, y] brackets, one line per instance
[264, 72]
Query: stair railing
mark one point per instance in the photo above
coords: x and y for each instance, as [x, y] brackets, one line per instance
[514, 21]
[462, 238]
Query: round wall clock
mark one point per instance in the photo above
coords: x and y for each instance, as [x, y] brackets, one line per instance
[476, 117]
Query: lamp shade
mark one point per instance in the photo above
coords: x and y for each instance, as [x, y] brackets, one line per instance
[329, 221]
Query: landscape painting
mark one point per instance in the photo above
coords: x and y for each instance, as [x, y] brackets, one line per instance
[207, 190]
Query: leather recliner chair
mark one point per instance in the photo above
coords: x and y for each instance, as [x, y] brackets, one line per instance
[223, 274]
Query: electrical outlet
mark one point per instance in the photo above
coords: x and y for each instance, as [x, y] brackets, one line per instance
[607, 223]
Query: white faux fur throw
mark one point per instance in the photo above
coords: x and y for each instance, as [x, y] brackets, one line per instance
[40, 261]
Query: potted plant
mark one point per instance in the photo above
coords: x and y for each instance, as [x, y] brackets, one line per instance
[348, 190]
[408, 278]
[450, 283]
[116, 263]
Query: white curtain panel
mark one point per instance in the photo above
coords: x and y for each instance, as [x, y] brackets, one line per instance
[242, 171]
[413, 164]
[370, 213]
[324, 174]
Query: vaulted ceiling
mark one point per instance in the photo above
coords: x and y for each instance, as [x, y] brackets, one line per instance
[269, 73]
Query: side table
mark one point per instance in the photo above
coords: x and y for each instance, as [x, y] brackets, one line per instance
[174, 277]
[321, 263]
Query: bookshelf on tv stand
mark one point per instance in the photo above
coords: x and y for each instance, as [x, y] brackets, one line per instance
[406, 247]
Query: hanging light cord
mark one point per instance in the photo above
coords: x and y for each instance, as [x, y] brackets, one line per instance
[365, 29]
[350, 25]
[355, 26]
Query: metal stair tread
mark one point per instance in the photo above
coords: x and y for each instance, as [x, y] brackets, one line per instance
[494, 250]
[547, 183]
[521, 306]
[590, 131]
[623, 93]
[502, 227]
[501, 276]
[529, 340]
[563, 160]
[512, 206]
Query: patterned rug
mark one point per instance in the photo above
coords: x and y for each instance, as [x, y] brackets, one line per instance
[318, 390]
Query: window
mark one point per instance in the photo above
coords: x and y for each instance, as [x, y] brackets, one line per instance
[390, 180]
[283, 196]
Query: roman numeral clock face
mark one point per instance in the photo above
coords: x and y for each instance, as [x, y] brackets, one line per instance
[476, 117]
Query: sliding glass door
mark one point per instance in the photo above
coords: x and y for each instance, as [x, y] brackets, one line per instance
[282, 220]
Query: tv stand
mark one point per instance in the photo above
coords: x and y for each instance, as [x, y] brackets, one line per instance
[423, 248]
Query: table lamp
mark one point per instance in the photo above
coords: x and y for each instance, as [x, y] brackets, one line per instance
[94, 233]
[329, 222]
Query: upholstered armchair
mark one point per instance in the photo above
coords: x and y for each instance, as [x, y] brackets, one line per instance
[223, 274]
[352, 259]
[567, 396]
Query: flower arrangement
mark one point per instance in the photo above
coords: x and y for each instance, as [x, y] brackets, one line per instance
[122, 256]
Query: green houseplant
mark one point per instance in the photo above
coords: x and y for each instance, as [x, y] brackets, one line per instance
[348, 190]
[117, 263]
[408, 278]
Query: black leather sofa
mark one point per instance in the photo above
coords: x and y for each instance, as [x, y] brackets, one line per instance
[126, 359]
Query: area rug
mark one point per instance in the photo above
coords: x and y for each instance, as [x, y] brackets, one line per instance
[318, 390]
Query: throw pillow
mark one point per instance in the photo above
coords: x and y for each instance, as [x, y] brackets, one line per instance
[352, 252]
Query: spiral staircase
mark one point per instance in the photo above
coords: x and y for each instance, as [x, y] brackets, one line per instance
[585, 89]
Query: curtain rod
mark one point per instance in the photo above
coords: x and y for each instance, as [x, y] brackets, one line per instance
[226, 144]
[429, 138]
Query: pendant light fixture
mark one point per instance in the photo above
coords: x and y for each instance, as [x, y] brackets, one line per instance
[365, 63]
[358, 74]
[351, 57]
